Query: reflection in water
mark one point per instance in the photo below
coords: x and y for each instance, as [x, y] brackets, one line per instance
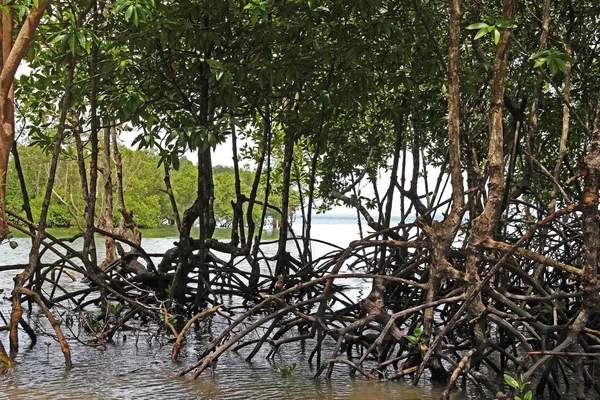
[140, 367]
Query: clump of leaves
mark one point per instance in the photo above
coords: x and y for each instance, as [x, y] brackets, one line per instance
[483, 28]
[518, 384]
[555, 60]
[287, 371]
[415, 339]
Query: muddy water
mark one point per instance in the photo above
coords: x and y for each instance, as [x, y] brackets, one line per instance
[138, 366]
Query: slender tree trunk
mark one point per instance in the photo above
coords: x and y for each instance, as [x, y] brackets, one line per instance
[128, 226]
[202, 209]
[79, 148]
[34, 254]
[11, 58]
[106, 221]
[237, 225]
[206, 197]
[24, 192]
[265, 144]
[484, 226]
[442, 234]
[89, 247]
[537, 92]
[282, 267]
[7, 133]
[562, 147]
[169, 190]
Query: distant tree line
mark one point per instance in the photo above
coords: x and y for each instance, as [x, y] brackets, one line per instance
[144, 192]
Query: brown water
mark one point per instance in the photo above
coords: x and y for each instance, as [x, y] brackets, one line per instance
[138, 366]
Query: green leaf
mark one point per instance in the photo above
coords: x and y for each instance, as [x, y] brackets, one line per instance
[512, 382]
[496, 36]
[539, 54]
[482, 32]
[64, 44]
[214, 64]
[412, 339]
[36, 3]
[81, 39]
[517, 398]
[505, 23]
[9, 235]
[561, 65]
[13, 245]
[4, 10]
[478, 25]
[552, 64]
[565, 57]
[135, 16]
[418, 332]
[128, 13]
[528, 395]
[539, 62]
[175, 161]
[72, 43]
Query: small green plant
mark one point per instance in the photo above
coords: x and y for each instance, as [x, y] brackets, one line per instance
[115, 308]
[519, 385]
[172, 320]
[415, 339]
[287, 371]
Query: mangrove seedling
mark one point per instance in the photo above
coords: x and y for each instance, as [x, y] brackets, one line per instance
[287, 371]
[519, 385]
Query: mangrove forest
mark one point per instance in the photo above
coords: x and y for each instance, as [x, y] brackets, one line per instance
[462, 138]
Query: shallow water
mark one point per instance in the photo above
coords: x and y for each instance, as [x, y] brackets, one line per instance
[138, 366]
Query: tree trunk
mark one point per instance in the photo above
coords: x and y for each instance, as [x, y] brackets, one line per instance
[282, 267]
[106, 220]
[264, 147]
[11, 58]
[34, 254]
[484, 225]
